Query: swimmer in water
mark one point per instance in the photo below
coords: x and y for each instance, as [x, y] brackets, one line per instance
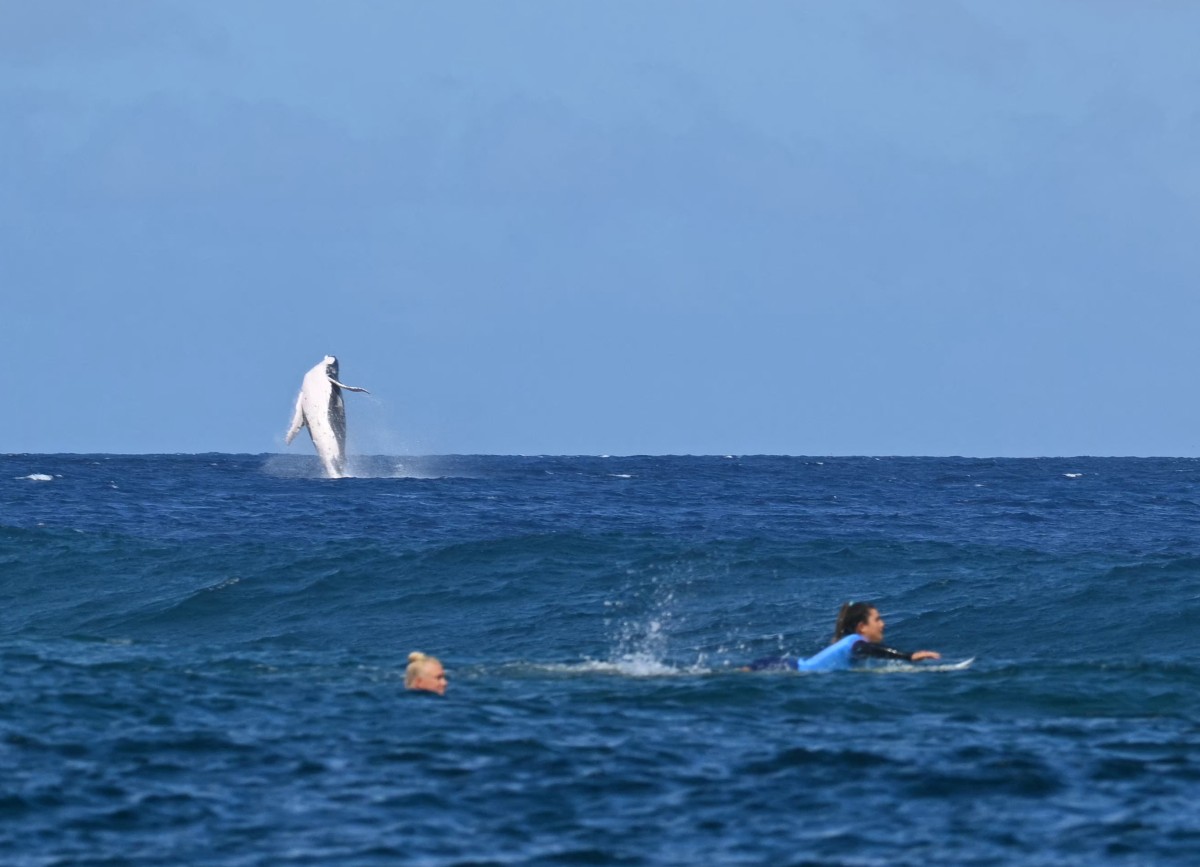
[425, 673]
[857, 637]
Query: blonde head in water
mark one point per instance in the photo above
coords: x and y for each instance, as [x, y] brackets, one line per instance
[425, 673]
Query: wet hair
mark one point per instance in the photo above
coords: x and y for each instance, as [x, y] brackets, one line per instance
[850, 617]
[416, 664]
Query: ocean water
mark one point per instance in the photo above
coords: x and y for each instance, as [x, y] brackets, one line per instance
[203, 656]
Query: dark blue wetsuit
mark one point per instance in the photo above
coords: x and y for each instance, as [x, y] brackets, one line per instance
[839, 655]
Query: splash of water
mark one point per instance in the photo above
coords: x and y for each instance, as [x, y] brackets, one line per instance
[643, 638]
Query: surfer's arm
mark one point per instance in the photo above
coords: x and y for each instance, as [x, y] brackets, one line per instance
[297, 420]
[870, 650]
[348, 387]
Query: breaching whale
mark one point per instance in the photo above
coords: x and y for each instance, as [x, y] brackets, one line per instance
[321, 408]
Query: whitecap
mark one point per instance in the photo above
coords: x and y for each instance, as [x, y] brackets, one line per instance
[221, 585]
[38, 477]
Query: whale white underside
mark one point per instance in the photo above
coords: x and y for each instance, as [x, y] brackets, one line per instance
[321, 409]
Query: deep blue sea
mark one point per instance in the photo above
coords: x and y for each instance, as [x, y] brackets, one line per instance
[203, 658]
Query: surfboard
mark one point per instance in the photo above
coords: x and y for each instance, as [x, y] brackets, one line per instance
[948, 666]
[918, 666]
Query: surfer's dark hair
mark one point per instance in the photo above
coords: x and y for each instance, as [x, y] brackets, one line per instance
[851, 616]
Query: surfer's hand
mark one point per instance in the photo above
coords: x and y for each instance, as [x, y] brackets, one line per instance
[925, 654]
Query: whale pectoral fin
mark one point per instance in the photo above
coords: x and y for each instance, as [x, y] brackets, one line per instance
[348, 387]
[298, 420]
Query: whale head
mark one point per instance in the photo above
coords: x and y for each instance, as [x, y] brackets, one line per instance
[331, 366]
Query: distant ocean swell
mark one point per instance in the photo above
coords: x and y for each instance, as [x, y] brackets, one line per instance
[679, 600]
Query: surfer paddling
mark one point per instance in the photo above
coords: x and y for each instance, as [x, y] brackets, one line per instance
[857, 637]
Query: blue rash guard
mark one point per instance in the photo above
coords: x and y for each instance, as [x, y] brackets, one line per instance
[838, 656]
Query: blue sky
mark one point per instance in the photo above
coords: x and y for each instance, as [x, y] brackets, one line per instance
[921, 228]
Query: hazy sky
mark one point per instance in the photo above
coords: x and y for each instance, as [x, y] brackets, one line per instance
[814, 228]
